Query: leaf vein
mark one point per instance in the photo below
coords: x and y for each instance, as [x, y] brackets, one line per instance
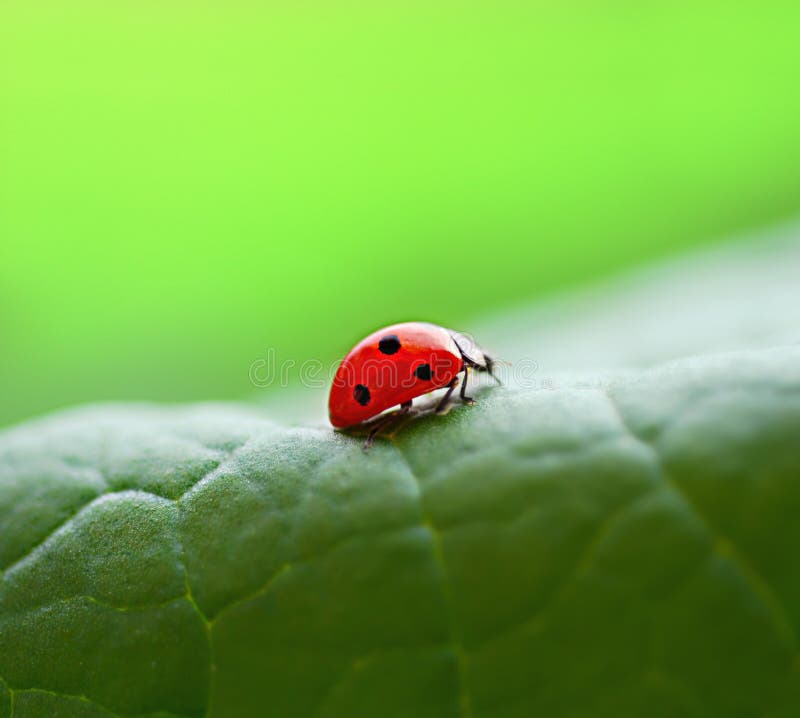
[89, 701]
[456, 640]
[722, 544]
[112, 492]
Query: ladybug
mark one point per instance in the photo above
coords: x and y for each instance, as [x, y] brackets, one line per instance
[397, 364]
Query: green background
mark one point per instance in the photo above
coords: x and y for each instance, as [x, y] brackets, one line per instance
[184, 185]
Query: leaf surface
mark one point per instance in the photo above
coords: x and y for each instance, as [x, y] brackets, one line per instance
[595, 545]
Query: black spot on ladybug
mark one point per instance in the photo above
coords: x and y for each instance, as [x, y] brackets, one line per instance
[361, 394]
[390, 344]
[423, 371]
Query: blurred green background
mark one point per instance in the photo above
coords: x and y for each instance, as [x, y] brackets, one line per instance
[183, 185]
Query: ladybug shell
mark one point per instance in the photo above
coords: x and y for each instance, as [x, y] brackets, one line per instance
[392, 366]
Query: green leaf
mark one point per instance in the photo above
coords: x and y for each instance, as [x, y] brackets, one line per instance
[617, 545]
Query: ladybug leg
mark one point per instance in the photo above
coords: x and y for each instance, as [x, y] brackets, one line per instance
[384, 421]
[380, 424]
[466, 399]
[442, 405]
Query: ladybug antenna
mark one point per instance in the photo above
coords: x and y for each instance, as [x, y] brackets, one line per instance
[490, 365]
[487, 366]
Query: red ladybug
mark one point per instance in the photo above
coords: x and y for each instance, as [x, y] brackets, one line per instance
[398, 363]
